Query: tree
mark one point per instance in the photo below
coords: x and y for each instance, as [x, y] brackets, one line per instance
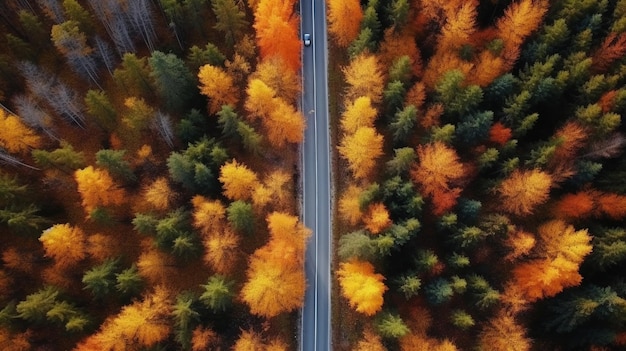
[344, 20]
[114, 162]
[64, 158]
[75, 12]
[238, 180]
[438, 170]
[285, 83]
[562, 251]
[16, 137]
[100, 280]
[503, 333]
[97, 188]
[221, 251]
[159, 194]
[218, 293]
[185, 316]
[173, 80]
[364, 78]
[399, 13]
[72, 43]
[128, 281]
[403, 123]
[197, 166]
[248, 340]
[359, 113]
[462, 319]
[261, 99]
[230, 20]
[361, 286]
[370, 342]
[391, 326]
[277, 32]
[439, 291]
[523, 190]
[520, 20]
[133, 76]
[402, 160]
[218, 86]
[377, 218]
[499, 134]
[284, 125]
[65, 244]
[241, 217]
[361, 150]
[100, 107]
[143, 323]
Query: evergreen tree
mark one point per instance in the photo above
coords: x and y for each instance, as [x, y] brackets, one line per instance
[462, 319]
[186, 316]
[100, 107]
[402, 161]
[36, 305]
[197, 166]
[241, 217]
[114, 162]
[230, 20]
[398, 12]
[174, 82]
[390, 325]
[199, 57]
[409, 285]
[609, 248]
[438, 291]
[100, 280]
[128, 281]
[403, 123]
[218, 293]
[357, 245]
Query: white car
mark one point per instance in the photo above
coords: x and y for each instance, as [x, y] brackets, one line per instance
[307, 39]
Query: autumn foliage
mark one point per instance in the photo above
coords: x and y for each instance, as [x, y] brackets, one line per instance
[361, 286]
[15, 136]
[97, 188]
[522, 191]
[218, 86]
[344, 20]
[65, 244]
[238, 180]
[437, 173]
[276, 31]
[361, 150]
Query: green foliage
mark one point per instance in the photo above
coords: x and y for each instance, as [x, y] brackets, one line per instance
[371, 19]
[173, 80]
[174, 233]
[186, 316]
[133, 76]
[234, 127]
[398, 12]
[401, 198]
[365, 42]
[100, 280]
[458, 98]
[474, 128]
[128, 281]
[403, 123]
[115, 162]
[369, 195]
[438, 291]
[145, 223]
[196, 167]
[402, 161]
[401, 70]
[231, 20]
[445, 133]
[458, 261]
[100, 107]
[241, 217]
[357, 245]
[393, 97]
[46, 305]
[609, 248]
[462, 319]
[23, 218]
[426, 260]
[390, 325]
[199, 57]
[409, 285]
[218, 293]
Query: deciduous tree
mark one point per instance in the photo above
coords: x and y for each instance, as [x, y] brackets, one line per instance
[65, 244]
[358, 113]
[504, 333]
[364, 78]
[238, 180]
[344, 20]
[97, 188]
[218, 86]
[377, 218]
[15, 136]
[361, 286]
[361, 150]
[221, 251]
[523, 190]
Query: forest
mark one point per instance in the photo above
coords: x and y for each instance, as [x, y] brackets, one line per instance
[148, 188]
[480, 176]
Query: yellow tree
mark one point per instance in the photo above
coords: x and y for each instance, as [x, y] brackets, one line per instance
[359, 113]
[208, 215]
[156, 266]
[520, 20]
[248, 341]
[15, 136]
[238, 180]
[286, 83]
[139, 325]
[364, 78]
[159, 194]
[503, 333]
[370, 342]
[284, 125]
[260, 101]
[276, 280]
[523, 190]
[97, 188]
[221, 251]
[344, 20]
[362, 149]
[361, 286]
[64, 243]
[217, 85]
[349, 205]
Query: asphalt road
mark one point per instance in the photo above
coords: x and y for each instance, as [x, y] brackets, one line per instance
[315, 328]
